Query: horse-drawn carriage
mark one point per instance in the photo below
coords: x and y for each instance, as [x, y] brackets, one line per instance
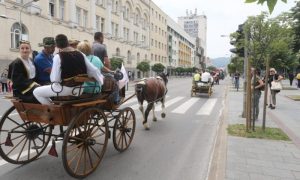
[84, 121]
[200, 87]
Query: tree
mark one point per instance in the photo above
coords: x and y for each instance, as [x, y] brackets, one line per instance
[143, 66]
[179, 70]
[295, 15]
[158, 67]
[211, 68]
[271, 3]
[116, 63]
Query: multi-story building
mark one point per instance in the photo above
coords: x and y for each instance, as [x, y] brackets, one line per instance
[125, 23]
[181, 46]
[196, 26]
[158, 35]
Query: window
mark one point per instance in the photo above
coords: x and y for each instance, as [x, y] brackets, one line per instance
[85, 18]
[102, 24]
[151, 57]
[61, 9]
[16, 35]
[126, 34]
[78, 16]
[98, 21]
[138, 57]
[19, 1]
[118, 52]
[52, 8]
[146, 57]
[116, 30]
[136, 37]
[112, 28]
[128, 57]
[151, 42]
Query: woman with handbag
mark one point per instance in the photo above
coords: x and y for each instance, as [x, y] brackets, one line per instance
[275, 87]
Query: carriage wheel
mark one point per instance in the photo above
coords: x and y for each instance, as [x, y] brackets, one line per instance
[85, 142]
[124, 129]
[22, 141]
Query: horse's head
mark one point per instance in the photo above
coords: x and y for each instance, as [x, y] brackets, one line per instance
[164, 76]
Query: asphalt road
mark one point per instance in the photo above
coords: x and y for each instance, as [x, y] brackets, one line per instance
[175, 148]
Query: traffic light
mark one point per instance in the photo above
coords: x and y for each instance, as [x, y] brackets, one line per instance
[238, 43]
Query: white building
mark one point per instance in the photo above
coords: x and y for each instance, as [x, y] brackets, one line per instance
[125, 24]
[181, 46]
[196, 26]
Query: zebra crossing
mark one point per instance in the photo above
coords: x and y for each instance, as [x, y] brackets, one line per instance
[180, 105]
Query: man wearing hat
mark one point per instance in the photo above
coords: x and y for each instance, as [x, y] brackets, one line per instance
[44, 60]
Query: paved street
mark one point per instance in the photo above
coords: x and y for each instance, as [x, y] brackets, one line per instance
[177, 147]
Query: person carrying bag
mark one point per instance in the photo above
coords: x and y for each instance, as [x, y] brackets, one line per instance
[275, 87]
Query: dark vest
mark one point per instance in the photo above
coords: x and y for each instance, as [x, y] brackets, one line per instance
[72, 64]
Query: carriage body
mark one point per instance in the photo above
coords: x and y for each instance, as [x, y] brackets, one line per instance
[201, 88]
[84, 128]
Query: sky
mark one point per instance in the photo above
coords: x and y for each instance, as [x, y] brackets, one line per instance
[223, 18]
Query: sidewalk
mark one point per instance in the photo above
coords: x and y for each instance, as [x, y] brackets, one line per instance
[257, 159]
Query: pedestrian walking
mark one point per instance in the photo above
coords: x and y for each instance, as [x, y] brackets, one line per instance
[272, 95]
[237, 80]
[256, 85]
[4, 81]
[291, 78]
[298, 79]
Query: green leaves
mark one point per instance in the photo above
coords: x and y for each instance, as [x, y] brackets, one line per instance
[271, 3]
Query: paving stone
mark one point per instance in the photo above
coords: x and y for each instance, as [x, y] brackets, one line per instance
[287, 166]
[237, 175]
[296, 174]
[258, 162]
[255, 176]
[278, 172]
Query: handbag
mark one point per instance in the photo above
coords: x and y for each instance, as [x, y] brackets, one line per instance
[276, 85]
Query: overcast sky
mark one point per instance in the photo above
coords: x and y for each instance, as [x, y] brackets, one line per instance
[223, 18]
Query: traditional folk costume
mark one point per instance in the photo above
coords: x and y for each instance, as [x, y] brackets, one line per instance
[22, 74]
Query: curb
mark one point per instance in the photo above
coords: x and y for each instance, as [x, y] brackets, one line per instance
[217, 163]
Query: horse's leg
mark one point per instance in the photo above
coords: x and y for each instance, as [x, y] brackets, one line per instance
[148, 109]
[153, 111]
[141, 108]
[163, 114]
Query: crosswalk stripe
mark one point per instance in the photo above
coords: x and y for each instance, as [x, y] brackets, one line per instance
[185, 106]
[207, 107]
[169, 103]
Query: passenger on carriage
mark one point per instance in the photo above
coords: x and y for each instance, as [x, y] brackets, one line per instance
[85, 48]
[197, 76]
[22, 73]
[206, 77]
[67, 64]
[44, 60]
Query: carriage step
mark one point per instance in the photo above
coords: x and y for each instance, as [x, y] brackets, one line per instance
[37, 147]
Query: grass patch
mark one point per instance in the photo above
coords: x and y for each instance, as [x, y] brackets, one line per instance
[269, 133]
[294, 97]
[289, 88]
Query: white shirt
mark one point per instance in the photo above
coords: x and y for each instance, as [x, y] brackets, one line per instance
[206, 77]
[92, 71]
[29, 67]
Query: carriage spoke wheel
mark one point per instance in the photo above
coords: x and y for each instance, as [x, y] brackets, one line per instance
[22, 141]
[85, 142]
[124, 129]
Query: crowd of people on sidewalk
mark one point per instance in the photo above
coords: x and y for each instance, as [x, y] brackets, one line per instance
[49, 73]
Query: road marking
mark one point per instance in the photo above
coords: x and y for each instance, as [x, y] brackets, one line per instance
[207, 107]
[169, 103]
[185, 106]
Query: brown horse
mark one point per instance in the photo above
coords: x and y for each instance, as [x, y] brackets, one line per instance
[152, 90]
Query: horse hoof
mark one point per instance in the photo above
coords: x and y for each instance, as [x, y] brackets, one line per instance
[146, 127]
[154, 119]
[163, 115]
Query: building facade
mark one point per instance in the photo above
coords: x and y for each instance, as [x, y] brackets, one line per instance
[158, 35]
[181, 47]
[196, 26]
[125, 24]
